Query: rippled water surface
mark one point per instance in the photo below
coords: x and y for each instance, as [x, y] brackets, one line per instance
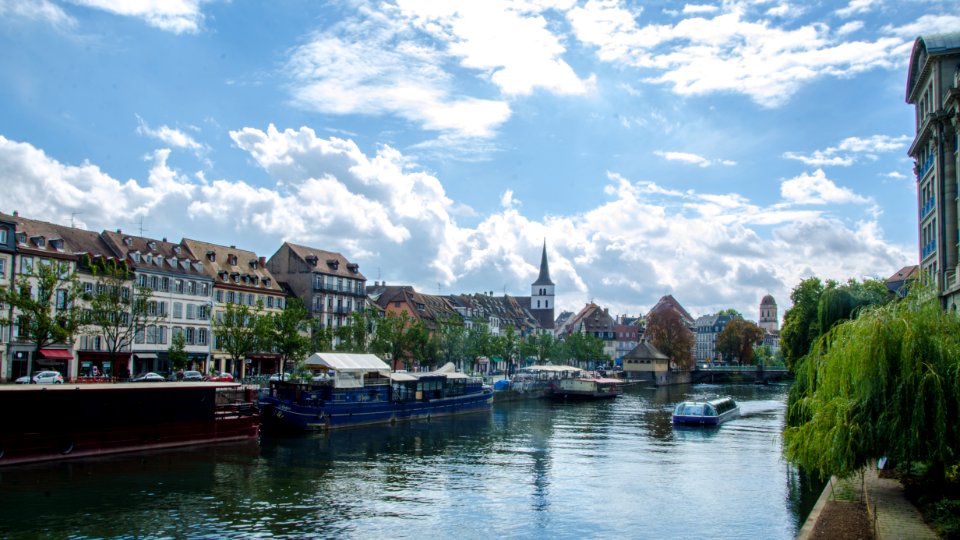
[525, 470]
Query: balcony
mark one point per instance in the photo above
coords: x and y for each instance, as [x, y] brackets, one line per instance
[928, 249]
[324, 287]
[927, 207]
[925, 168]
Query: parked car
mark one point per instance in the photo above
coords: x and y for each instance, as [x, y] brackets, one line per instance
[148, 377]
[223, 377]
[43, 377]
[192, 376]
[276, 377]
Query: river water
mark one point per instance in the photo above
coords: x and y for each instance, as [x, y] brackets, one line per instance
[525, 470]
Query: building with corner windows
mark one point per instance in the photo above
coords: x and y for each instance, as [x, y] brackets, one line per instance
[330, 286]
[8, 257]
[933, 88]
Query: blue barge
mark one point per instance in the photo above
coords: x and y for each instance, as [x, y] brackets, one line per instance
[708, 413]
[360, 389]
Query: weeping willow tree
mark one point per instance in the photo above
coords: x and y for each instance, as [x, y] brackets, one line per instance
[884, 384]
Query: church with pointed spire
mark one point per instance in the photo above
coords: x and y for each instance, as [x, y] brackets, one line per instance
[542, 294]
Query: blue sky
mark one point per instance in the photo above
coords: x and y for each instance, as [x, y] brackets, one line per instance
[716, 151]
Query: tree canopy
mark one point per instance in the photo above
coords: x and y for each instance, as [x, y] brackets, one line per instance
[738, 338]
[884, 384]
[666, 331]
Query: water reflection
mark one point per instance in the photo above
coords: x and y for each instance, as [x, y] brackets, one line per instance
[531, 470]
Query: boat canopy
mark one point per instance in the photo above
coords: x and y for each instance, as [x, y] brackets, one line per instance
[402, 377]
[347, 362]
[555, 369]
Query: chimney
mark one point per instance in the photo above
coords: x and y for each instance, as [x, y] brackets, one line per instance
[263, 262]
[119, 231]
[16, 214]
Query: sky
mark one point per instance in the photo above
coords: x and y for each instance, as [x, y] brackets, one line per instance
[714, 151]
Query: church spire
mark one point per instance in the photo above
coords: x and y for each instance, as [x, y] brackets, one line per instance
[544, 278]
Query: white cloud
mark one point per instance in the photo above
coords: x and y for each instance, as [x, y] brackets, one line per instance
[693, 159]
[817, 189]
[507, 200]
[711, 250]
[923, 26]
[728, 52]
[698, 8]
[897, 175]
[377, 74]
[851, 150]
[857, 7]
[169, 136]
[508, 42]
[849, 28]
[36, 10]
[177, 16]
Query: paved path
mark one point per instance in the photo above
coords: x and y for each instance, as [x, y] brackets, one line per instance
[894, 517]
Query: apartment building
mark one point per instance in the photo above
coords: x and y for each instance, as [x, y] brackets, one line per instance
[240, 277]
[8, 257]
[933, 88]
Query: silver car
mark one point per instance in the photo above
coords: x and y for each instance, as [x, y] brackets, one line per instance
[43, 377]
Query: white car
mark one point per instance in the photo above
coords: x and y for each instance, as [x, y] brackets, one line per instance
[44, 377]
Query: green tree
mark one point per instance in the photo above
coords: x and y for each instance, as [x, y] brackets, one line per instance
[731, 312]
[666, 330]
[801, 324]
[479, 341]
[289, 327]
[884, 384]
[583, 349]
[355, 335]
[236, 330]
[451, 340]
[45, 304]
[118, 309]
[393, 339]
[507, 347]
[738, 338]
[321, 337]
[420, 344]
[177, 352]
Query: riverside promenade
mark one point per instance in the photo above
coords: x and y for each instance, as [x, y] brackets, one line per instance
[892, 516]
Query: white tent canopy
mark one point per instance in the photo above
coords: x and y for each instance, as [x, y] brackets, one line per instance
[347, 362]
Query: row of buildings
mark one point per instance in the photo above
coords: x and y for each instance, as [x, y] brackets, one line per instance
[192, 281]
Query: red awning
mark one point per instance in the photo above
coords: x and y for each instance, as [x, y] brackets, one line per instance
[55, 354]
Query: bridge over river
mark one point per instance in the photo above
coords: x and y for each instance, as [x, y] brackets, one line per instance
[740, 374]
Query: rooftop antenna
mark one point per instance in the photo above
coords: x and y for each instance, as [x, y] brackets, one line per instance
[141, 226]
[73, 215]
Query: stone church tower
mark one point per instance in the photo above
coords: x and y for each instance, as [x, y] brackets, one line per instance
[768, 315]
[542, 294]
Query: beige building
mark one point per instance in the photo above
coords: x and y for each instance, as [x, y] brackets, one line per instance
[239, 277]
[646, 363]
[933, 88]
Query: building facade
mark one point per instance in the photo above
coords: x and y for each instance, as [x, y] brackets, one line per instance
[330, 286]
[8, 257]
[180, 302]
[239, 277]
[706, 330]
[933, 88]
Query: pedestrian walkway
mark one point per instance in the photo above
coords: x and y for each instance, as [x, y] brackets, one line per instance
[892, 515]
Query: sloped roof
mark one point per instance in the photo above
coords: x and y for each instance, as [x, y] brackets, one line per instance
[925, 47]
[125, 245]
[347, 362]
[75, 241]
[645, 350]
[669, 302]
[247, 263]
[328, 262]
[544, 277]
[905, 273]
[768, 301]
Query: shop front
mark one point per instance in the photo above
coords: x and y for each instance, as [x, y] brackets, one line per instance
[102, 365]
[56, 360]
[261, 364]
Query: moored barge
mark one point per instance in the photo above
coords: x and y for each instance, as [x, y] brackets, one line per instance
[53, 422]
[585, 388]
[360, 389]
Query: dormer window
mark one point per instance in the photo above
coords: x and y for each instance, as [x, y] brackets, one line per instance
[353, 267]
[235, 276]
[312, 260]
[38, 241]
[254, 279]
[135, 255]
[212, 256]
[253, 263]
[176, 249]
[333, 263]
[232, 260]
[266, 282]
[222, 275]
[173, 261]
[56, 243]
[152, 245]
[148, 258]
[127, 241]
[21, 238]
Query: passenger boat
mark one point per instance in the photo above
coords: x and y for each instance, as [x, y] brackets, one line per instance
[54, 422]
[712, 413]
[586, 388]
[360, 389]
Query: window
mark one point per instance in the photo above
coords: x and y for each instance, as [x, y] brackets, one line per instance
[154, 283]
[26, 265]
[190, 335]
[61, 299]
[203, 312]
[3, 268]
[269, 301]
[202, 336]
[204, 289]
[192, 287]
[178, 285]
[219, 296]
[142, 280]
[230, 296]
[165, 284]
[177, 310]
[3, 235]
[191, 311]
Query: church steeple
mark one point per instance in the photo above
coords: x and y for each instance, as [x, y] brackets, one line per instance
[544, 278]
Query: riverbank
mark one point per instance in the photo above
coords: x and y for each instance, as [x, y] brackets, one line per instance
[843, 505]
